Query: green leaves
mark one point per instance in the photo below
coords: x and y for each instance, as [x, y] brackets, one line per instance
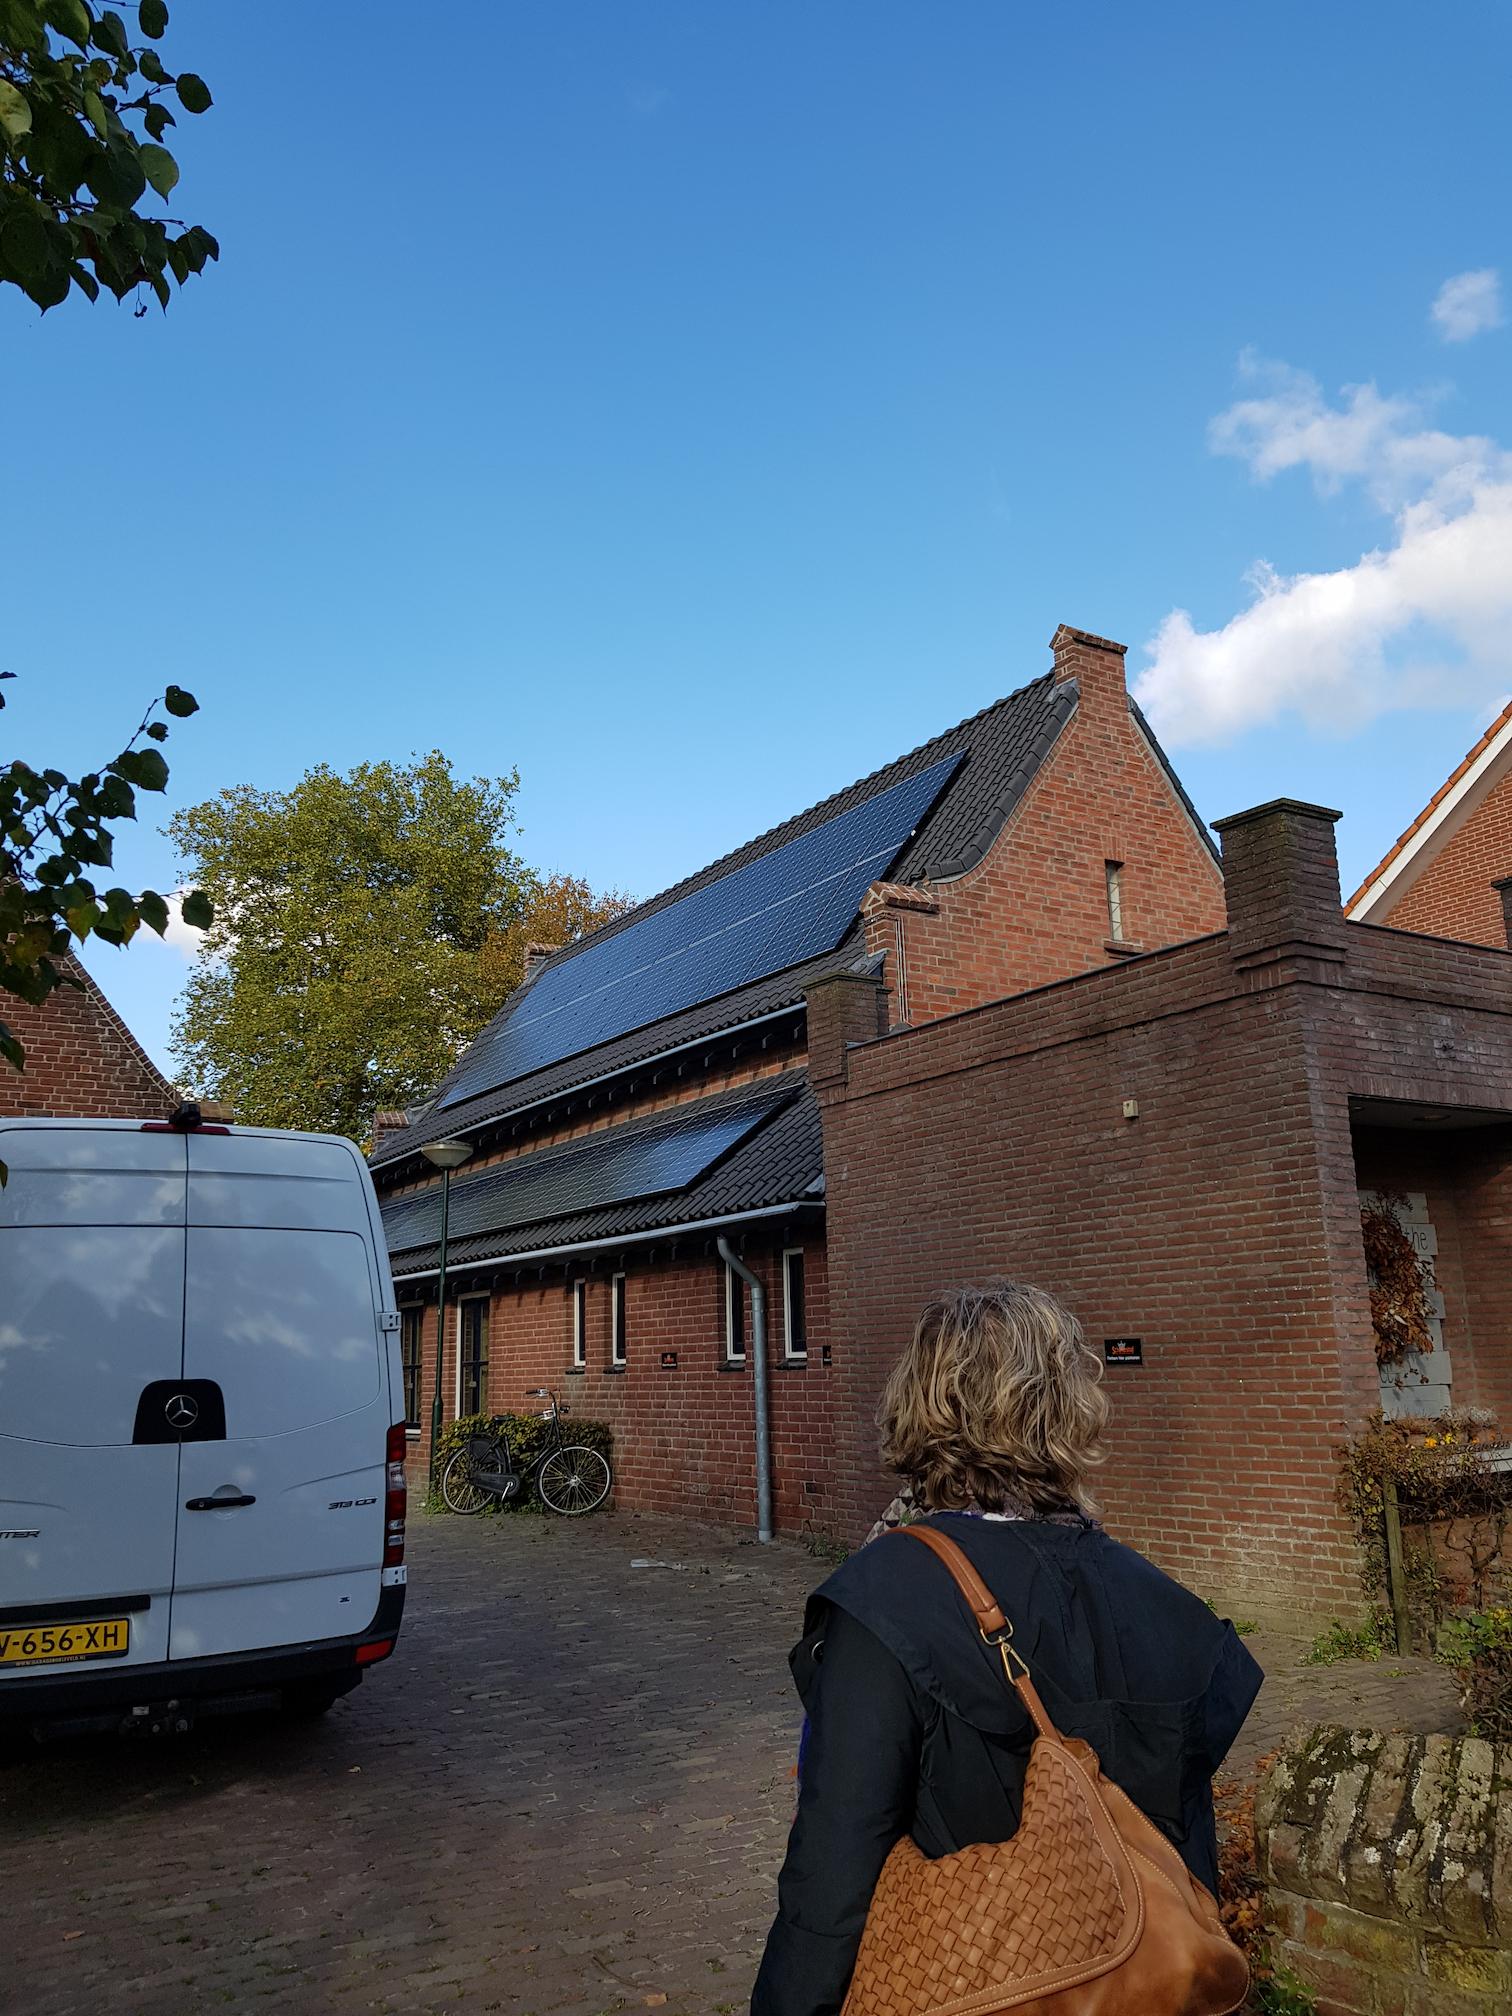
[143, 767]
[83, 117]
[159, 166]
[53, 829]
[70, 18]
[193, 92]
[15, 113]
[196, 910]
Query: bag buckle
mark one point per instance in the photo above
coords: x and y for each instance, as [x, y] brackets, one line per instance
[1007, 1651]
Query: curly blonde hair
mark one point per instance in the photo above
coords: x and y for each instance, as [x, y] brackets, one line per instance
[996, 1398]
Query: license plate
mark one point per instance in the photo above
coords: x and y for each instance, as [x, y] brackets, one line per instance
[108, 1638]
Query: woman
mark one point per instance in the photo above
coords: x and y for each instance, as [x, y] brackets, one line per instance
[993, 1418]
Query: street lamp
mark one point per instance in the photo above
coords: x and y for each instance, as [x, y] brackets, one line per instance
[445, 1156]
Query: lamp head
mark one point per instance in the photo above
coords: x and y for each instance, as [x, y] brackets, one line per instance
[447, 1154]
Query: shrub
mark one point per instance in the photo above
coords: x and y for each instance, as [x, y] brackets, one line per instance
[1353, 1641]
[1479, 1648]
[524, 1433]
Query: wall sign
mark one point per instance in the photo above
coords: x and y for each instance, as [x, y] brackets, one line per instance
[669, 1361]
[1123, 1350]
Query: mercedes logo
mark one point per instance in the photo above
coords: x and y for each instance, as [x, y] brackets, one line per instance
[182, 1411]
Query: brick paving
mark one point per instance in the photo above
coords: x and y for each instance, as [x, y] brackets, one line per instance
[567, 1795]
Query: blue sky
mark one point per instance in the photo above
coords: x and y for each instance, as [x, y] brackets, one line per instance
[696, 404]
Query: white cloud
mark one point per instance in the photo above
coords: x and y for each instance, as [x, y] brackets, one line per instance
[1468, 304]
[185, 938]
[1425, 617]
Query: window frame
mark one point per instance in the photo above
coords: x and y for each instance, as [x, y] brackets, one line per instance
[464, 1303]
[579, 1293]
[1113, 889]
[790, 1254]
[618, 1329]
[412, 1312]
[734, 1305]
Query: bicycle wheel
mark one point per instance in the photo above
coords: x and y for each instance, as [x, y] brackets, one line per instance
[573, 1480]
[458, 1491]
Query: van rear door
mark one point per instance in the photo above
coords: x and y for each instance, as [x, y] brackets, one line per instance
[281, 1530]
[91, 1359]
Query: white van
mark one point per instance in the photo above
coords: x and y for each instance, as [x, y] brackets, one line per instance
[201, 1423]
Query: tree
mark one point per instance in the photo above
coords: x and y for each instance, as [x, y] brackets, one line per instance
[367, 925]
[52, 830]
[73, 170]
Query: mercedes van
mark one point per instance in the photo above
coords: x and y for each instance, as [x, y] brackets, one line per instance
[202, 1433]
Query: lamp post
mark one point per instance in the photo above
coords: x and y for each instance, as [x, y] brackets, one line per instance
[445, 1156]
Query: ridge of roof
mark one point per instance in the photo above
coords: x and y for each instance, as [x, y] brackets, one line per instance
[1403, 842]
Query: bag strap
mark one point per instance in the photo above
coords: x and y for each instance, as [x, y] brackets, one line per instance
[994, 1628]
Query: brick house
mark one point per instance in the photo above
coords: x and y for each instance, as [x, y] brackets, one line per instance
[1448, 873]
[81, 1059]
[648, 1091]
[1178, 1146]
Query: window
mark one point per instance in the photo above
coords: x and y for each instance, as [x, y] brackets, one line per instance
[617, 1330]
[794, 1315]
[472, 1356]
[411, 1345]
[735, 1324]
[579, 1325]
[1114, 872]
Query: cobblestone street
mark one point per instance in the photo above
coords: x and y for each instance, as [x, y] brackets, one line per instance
[567, 1794]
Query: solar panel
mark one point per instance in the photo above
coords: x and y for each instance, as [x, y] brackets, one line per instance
[558, 1183]
[784, 907]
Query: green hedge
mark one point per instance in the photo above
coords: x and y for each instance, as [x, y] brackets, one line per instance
[525, 1433]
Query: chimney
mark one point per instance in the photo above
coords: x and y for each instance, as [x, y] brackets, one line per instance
[386, 1123]
[536, 955]
[843, 1008]
[1095, 663]
[1503, 889]
[1281, 883]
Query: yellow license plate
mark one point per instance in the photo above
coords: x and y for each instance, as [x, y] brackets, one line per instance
[108, 1638]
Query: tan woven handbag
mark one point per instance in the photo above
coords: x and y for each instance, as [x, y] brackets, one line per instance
[1087, 1911]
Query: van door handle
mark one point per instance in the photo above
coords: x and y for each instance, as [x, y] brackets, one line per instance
[218, 1504]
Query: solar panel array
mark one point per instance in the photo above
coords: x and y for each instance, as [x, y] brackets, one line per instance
[774, 912]
[559, 1183]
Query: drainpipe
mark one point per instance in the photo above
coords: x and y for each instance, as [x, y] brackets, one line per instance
[763, 1424]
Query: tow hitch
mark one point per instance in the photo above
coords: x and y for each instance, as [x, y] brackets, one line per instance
[157, 1718]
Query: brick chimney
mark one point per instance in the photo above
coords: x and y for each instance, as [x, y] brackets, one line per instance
[1095, 663]
[536, 955]
[843, 1008]
[387, 1122]
[1281, 883]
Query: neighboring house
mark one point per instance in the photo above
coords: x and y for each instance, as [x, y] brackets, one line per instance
[1180, 1148]
[646, 1091]
[1444, 876]
[81, 1060]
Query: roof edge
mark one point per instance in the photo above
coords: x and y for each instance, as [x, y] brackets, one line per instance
[620, 1239]
[1461, 793]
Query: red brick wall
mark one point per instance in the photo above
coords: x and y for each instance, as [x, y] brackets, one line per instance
[81, 1061]
[1036, 907]
[684, 1437]
[1221, 1225]
[1453, 897]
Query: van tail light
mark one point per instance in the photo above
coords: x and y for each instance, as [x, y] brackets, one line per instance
[374, 1650]
[395, 1498]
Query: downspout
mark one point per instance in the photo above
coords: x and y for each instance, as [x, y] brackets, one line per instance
[759, 1368]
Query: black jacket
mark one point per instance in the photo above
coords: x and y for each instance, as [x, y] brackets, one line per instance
[913, 1729]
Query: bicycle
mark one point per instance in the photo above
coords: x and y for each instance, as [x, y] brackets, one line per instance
[570, 1478]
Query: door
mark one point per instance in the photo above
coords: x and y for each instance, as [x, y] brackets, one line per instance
[280, 1536]
[91, 1356]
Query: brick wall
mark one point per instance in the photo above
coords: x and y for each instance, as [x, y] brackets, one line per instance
[1220, 1225]
[1037, 906]
[684, 1435]
[81, 1060]
[1453, 896]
